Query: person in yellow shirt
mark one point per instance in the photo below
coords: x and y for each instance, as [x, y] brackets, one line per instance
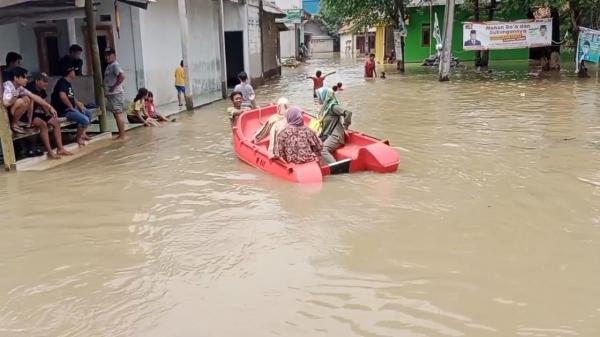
[180, 83]
[136, 113]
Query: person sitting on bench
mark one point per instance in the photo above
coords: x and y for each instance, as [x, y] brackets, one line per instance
[18, 100]
[41, 117]
[63, 99]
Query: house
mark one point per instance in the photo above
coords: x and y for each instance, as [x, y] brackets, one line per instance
[271, 53]
[150, 43]
[420, 44]
[216, 40]
[291, 38]
[352, 40]
[317, 38]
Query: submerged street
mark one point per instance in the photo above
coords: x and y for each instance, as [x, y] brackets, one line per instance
[491, 226]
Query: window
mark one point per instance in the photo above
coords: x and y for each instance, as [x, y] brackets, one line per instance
[426, 35]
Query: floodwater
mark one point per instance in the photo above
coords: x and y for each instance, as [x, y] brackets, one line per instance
[491, 227]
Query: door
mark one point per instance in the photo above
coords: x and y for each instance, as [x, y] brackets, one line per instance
[48, 52]
[234, 56]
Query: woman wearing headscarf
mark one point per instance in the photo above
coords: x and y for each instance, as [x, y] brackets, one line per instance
[297, 143]
[335, 122]
[273, 126]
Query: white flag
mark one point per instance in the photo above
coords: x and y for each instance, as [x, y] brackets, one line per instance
[436, 31]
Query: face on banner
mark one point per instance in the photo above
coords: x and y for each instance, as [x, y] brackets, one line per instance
[589, 45]
[507, 35]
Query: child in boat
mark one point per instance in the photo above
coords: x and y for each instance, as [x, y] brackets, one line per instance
[151, 110]
[297, 143]
[136, 114]
[273, 126]
[237, 108]
[318, 81]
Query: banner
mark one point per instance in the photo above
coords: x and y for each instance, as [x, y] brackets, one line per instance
[398, 44]
[292, 16]
[507, 35]
[436, 32]
[588, 46]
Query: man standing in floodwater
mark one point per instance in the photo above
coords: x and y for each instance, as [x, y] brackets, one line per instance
[114, 76]
[370, 71]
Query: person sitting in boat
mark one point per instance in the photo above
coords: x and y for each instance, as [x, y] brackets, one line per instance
[298, 144]
[273, 126]
[237, 108]
[335, 122]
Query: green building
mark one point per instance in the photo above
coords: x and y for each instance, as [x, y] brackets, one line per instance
[420, 43]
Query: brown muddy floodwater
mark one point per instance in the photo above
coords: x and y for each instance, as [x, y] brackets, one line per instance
[490, 228]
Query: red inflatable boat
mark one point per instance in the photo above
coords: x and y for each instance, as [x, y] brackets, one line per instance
[361, 152]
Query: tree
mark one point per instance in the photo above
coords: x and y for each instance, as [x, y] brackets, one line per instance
[365, 13]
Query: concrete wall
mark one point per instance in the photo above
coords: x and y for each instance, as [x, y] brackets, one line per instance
[234, 17]
[315, 28]
[271, 61]
[254, 45]
[10, 40]
[321, 44]
[204, 60]
[161, 45]
[347, 44]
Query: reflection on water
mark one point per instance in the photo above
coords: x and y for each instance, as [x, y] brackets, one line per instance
[490, 228]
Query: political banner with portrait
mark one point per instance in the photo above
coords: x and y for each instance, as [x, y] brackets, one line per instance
[588, 46]
[507, 35]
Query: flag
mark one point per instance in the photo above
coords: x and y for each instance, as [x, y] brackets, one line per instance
[436, 31]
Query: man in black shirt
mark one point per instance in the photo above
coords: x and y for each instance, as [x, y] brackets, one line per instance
[13, 60]
[73, 59]
[64, 101]
[42, 117]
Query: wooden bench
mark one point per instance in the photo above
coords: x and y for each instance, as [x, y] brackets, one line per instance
[64, 123]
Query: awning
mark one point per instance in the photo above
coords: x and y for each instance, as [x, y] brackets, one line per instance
[272, 8]
[281, 27]
[143, 4]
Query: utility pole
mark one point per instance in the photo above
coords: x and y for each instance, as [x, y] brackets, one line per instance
[96, 67]
[402, 27]
[446, 56]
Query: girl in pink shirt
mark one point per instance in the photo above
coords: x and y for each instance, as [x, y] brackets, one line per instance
[151, 110]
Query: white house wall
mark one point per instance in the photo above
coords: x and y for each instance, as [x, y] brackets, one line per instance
[254, 42]
[161, 43]
[321, 44]
[204, 66]
[10, 40]
[234, 17]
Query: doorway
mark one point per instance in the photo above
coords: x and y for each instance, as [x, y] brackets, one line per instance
[234, 56]
[49, 53]
[105, 40]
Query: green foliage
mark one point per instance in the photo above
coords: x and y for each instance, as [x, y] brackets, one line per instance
[361, 13]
